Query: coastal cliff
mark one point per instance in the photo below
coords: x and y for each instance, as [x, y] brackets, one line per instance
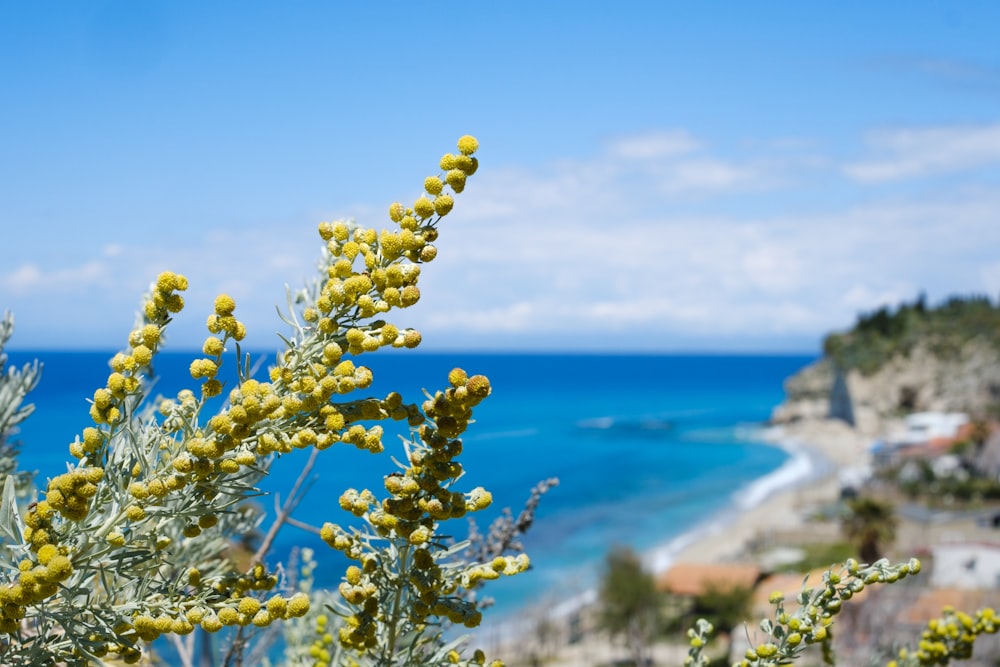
[894, 363]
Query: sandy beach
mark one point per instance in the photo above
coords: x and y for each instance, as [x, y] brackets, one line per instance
[779, 503]
[820, 451]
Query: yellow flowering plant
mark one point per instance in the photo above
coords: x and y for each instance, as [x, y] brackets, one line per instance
[810, 620]
[134, 541]
[15, 385]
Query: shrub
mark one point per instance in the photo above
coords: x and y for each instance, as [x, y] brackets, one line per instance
[131, 543]
[134, 541]
[629, 601]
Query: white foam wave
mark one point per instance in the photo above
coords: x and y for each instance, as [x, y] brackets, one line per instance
[496, 435]
[659, 559]
[602, 423]
[795, 470]
[804, 464]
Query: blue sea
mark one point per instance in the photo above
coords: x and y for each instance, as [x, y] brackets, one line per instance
[647, 448]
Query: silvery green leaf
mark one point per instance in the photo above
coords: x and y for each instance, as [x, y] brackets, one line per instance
[10, 519]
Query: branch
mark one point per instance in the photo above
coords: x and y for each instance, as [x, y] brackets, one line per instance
[283, 515]
[308, 527]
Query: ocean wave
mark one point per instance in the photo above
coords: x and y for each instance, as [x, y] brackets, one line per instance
[496, 435]
[660, 558]
[632, 425]
[796, 470]
[600, 423]
[802, 466]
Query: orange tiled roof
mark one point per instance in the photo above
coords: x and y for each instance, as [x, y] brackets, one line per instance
[697, 578]
[939, 446]
[931, 602]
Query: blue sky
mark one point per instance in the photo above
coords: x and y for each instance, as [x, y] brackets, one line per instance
[654, 175]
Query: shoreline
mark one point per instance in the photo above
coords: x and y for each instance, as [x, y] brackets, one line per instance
[775, 498]
[780, 500]
[820, 451]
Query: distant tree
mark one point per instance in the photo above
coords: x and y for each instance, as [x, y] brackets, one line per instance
[725, 607]
[886, 332]
[870, 525]
[629, 601]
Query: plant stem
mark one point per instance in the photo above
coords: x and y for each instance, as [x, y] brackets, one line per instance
[399, 592]
[283, 514]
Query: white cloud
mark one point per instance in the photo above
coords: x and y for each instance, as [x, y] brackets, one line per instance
[991, 279]
[654, 145]
[772, 266]
[672, 165]
[23, 277]
[633, 266]
[710, 174]
[30, 277]
[861, 297]
[518, 316]
[252, 264]
[655, 239]
[909, 153]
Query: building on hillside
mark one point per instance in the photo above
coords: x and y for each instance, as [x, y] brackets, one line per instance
[921, 428]
[924, 435]
[966, 565]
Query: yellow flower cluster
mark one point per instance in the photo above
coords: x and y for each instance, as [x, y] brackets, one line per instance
[221, 321]
[812, 621]
[36, 582]
[164, 299]
[70, 493]
[38, 524]
[181, 473]
[384, 282]
[950, 637]
[365, 274]
[452, 409]
[319, 650]
[240, 611]
[257, 579]
[501, 565]
[419, 498]
[478, 658]
[109, 401]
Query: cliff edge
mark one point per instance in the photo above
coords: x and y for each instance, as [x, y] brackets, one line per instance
[895, 363]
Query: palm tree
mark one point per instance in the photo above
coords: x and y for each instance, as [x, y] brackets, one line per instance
[870, 525]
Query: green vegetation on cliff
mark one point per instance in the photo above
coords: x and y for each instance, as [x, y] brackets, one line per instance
[880, 335]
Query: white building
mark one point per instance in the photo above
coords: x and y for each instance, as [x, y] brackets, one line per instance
[921, 427]
[966, 565]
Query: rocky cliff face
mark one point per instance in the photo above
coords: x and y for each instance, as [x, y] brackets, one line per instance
[964, 381]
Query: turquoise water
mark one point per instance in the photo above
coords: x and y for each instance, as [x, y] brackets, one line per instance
[646, 447]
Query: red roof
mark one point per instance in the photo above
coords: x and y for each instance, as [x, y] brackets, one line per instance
[698, 578]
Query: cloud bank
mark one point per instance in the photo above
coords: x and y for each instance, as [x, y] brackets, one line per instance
[655, 241]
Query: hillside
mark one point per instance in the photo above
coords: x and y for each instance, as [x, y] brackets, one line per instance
[896, 361]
